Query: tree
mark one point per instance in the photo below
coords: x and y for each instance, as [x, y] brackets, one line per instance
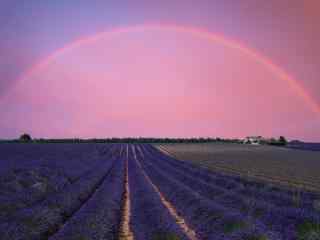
[25, 137]
[282, 140]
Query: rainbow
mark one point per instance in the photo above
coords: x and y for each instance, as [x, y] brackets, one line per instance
[198, 32]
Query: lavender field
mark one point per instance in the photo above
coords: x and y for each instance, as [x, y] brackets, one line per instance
[139, 192]
[298, 167]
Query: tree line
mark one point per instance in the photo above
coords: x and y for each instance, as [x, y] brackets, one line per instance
[26, 138]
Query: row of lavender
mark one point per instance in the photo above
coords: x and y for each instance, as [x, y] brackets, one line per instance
[100, 217]
[270, 192]
[224, 207]
[42, 218]
[149, 218]
[68, 159]
[208, 219]
[92, 206]
[34, 174]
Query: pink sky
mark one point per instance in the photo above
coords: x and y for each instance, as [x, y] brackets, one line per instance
[159, 83]
[156, 82]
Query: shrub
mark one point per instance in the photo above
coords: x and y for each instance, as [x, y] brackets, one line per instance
[282, 140]
[25, 137]
[278, 142]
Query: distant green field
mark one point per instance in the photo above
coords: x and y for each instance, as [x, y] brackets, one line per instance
[276, 164]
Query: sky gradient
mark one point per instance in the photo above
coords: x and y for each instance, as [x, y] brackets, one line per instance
[158, 81]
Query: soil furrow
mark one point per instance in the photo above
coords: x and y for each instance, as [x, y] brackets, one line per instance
[125, 231]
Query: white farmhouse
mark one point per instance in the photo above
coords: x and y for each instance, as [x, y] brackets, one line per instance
[254, 140]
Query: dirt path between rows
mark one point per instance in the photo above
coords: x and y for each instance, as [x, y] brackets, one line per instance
[190, 233]
[125, 231]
